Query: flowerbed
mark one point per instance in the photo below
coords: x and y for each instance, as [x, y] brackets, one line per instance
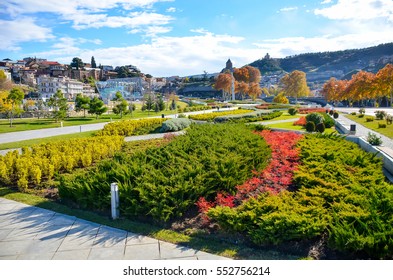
[275, 178]
[212, 116]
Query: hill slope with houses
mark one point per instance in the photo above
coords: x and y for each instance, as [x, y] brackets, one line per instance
[320, 66]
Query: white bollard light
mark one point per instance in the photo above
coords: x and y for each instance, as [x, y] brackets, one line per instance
[115, 200]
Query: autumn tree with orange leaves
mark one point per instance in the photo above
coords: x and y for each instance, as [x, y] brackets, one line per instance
[223, 82]
[362, 86]
[295, 85]
[384, 81]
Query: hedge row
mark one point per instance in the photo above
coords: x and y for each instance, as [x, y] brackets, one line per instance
[212, 116]
[249, 117]
[41, 162]
[131, 127]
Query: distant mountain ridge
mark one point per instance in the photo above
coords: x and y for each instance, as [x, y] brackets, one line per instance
[321, 66]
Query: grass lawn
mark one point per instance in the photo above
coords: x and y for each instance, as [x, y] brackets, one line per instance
[209, 243]
[290, 126]
[388, 131]
[27, 143]
[286, 116]
[32, 124]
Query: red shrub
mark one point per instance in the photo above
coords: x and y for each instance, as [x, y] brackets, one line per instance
[302, 121]
[311, 110]
[276, 177]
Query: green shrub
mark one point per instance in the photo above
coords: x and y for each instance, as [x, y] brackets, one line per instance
[182, 116]
[369, 119]
[131, 127]
[353, 113]
[380, 115]
[316, 118]
[320, 127]
[381, 125]
[175, 125]
[373, 139]
[292, 111]
[327, 121]
[310, 126]
[331, 112]
[164, 182]
[361, 116]
[335, 115]
[362, 111]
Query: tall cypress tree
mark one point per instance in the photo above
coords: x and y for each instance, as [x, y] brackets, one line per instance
[93, 62]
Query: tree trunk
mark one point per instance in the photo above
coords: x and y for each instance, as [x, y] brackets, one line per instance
[11, 114]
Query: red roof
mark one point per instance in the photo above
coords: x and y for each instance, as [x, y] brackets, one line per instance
[50, 62]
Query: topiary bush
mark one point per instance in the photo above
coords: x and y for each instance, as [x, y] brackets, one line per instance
[316, 118]
[175, 125]
[292, 111]
[361, 116]
[369, 119]
[381, 125]
[320, 127]
[335, 115]
[310, 126]
[380, 115]
[327, 121]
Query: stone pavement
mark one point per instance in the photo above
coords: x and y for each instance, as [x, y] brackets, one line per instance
[28, 232]
[362, 131]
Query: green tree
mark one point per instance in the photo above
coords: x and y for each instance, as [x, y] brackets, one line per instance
[121, 108]
[59, 104]
[14, 98]
[159, 104]
[82, 103]
[93, 62]
[173, 105]
[131, 108]
[97, 107]
[77, 63]
[149, 102]
[118, 96]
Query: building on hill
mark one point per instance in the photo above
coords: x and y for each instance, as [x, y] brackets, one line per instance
[48, 86]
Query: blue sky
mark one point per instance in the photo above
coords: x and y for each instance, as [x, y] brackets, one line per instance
[184, 37]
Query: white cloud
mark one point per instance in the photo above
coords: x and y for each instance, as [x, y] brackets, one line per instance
[324, 2]
[91, 13]
[287, 9]
[295, 45]
[171, 10]
[166, 55]
[22, 29]
[358, 10]
[134, 20]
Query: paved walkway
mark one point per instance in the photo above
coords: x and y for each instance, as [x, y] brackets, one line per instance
[28, 232]
[363, 131]
[48, 132]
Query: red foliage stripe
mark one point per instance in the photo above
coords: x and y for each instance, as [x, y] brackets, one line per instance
[276, 177]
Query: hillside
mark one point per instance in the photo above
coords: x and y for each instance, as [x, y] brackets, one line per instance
[323, 65]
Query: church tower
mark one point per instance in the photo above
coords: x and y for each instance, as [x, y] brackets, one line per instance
[229, 65]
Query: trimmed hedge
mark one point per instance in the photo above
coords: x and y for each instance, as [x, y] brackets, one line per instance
[131, 127]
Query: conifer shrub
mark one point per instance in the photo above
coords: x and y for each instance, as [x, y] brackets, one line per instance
[310, 126]
[164, 182]
[175, 125]
[320, 127]
[292, 111]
